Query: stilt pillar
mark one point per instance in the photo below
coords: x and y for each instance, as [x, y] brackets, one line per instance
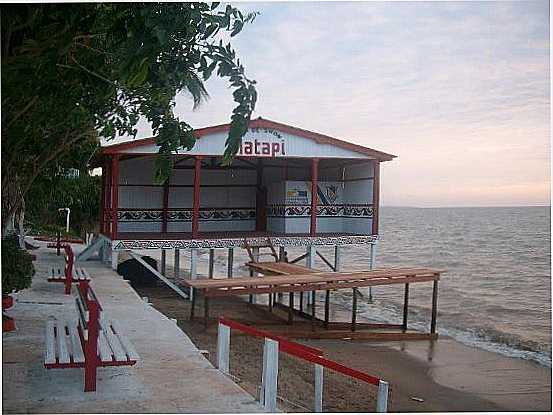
[337, 258]
[163, 262]
[177, 263]
[230, 262]
[211, 262]
[114, 259]
[193, 268]
[434, 307]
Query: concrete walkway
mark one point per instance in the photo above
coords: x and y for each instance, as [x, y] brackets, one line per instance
[172, 375]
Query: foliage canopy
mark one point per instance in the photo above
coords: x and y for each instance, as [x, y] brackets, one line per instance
[73, 73]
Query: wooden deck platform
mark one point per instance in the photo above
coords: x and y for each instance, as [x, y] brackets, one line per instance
[291, 278]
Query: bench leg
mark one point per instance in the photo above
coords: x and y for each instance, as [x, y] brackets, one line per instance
[68, 281]
[90, 377]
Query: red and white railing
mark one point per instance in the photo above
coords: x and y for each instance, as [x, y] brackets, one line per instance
[275, 344]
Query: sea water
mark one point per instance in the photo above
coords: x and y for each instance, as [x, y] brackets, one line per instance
[496, 293]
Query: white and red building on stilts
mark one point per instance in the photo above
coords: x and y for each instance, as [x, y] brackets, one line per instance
[297, 187]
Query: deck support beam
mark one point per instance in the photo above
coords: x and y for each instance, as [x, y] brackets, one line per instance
[354, 310]
[405, 307]
[434, 307]
[327, 308]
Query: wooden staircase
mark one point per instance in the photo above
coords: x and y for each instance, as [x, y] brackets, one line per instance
[268, 244]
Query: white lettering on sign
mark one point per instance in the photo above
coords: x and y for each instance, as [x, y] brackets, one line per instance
[262, 148]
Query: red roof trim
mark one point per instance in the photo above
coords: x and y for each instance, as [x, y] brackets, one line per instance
[262, 123]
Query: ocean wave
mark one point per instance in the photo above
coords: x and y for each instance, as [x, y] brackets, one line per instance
[484, 338]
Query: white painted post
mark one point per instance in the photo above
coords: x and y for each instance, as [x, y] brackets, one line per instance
[223, 348]
[270, 380]
[177, 263]
[230, 263]
[372, 265]
[255, 253]
[310, 263]
[337, 258]
[114, 259]
[193, 267]
[281, 257]
[211, 262]
[319, 370]
[163, 262]
[382, 397]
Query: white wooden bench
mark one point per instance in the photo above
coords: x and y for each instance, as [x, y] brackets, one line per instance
[91, 342]
[70, 273]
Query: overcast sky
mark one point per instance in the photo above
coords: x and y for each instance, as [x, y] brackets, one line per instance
[458, 90]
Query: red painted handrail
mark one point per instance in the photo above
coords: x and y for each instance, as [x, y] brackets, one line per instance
[260, 333]
[310, 354]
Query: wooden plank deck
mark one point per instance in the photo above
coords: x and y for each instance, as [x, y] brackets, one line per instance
[312, 282]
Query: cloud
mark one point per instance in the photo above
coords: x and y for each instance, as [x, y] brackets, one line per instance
[459, 90]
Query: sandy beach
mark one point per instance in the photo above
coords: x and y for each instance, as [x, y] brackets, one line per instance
[439, 376]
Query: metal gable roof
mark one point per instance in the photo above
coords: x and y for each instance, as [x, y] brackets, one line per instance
[261, 123]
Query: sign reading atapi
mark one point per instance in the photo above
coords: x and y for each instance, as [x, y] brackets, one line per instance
[262, 148]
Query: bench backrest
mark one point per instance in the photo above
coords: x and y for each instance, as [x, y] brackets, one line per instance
[89, 310]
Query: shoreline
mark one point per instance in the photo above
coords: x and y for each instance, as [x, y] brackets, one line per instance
[446, 374]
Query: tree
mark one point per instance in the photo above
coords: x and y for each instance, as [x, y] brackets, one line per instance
[72, 73]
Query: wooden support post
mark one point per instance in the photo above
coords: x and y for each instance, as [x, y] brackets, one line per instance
[405, 307]
[193, 302]
[313, 305]
[434, 307]
[58, 244]
[230, 262]
[337, 259]
[302, 294]
[291, 308]
[314, 180]
[206, 310]
[327, 308]
[255, 253]
[211, 262]
[193, 267]
[281, 254]
[354, 310]
[114, 195]
[163, 262]
[196, 201]
[177, 263]
[310, 263]
[372, 265]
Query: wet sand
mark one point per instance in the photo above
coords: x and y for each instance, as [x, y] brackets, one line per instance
[442, 375]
